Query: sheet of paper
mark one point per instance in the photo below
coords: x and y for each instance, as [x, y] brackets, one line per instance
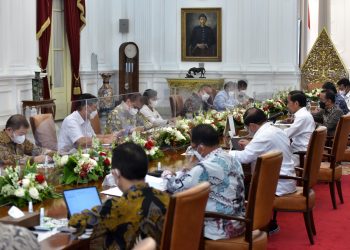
[156, 182]
[115, 191]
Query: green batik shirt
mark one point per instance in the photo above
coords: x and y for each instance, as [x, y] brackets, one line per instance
[120, 119]
[121, 222]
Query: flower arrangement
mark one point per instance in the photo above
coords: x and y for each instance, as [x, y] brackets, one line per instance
[19, 190]
[171, 137]
[100, 155]
[271, 106]
[79, 168]
[149, 145]
[313, 95]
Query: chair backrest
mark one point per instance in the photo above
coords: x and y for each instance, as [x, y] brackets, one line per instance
[185, 218]
[44, 131]
[314, 156]
[340, 141]
[262, 190]
[95, 124]
[176, 105]
[314, 85]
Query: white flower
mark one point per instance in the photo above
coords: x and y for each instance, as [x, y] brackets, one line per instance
[33, 192]
[44, 184]
[20, 192]
[64, 160]
[152, 152]
[179, 136]
[25, 183]
[85, 156]
[7, 190]
[92, 162]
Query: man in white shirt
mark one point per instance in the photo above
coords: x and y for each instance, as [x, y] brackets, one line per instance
[76, 130]
[344, 90]
[303, 125]
[266, 138]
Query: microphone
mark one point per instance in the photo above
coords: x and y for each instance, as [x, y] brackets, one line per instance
[274, 117]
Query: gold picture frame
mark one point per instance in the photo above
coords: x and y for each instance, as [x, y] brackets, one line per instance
[201, 34]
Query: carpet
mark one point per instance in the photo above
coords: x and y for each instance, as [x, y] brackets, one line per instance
[332, 226]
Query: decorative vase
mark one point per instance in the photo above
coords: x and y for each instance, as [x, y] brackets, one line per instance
[105, 94]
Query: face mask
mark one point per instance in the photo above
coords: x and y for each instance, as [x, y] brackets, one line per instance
[322, 105]
[18, 139]
[93, 114]
[242, 91]
[205, 97]
[133, 111]
[231, 93]
[153, 103]
[342, 92]
[198, 155]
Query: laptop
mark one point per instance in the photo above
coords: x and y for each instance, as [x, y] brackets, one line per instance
[78, 199]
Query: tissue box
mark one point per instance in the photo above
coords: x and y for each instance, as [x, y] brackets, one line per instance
[28, 220]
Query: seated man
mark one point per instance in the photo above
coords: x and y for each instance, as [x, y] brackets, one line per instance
[122, 221]
[329, 114]
[225, 175]
[15, 237]
[303, 123]
[126, 116]
[76, 130]
[226, 97]
[339, 100]
[14, 147]
[344, 90]
[266, 138]
[242, 97]
[199, 102]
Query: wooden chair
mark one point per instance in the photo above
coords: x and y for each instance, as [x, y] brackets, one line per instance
[176, 105]
[259, 207]
[95, 124]
[303, 200]
[331, 171]
[146, 244]
[184, 219]
[44, 131]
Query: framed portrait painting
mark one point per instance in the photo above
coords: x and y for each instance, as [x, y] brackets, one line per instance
[201, 34]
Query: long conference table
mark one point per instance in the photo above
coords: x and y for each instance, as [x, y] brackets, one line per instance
[56, 208]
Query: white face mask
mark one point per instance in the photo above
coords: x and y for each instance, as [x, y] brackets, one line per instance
[242, 92]
[205, 97]
[93, 114]
[18, 139]
[342, 92]
[231, 93]
[153, 103]
[133, 111]
[197, 154]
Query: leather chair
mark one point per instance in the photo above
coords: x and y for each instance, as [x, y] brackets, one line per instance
[303, 200]
[185, 218]
[44, 131]
[258, 213]
[331, 171]
[95, 124]
[146, 244]
[176, 105]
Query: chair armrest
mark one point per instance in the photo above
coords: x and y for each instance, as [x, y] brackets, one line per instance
[300, 153]
[224, 216]
[297, 168]
[291, 177]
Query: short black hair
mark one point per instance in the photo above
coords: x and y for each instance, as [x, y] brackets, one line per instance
[148, 94]
[344, 81]
[254, 115]
[298, 96]
[203, 15]
[329, 95]
[84, 99]
[131, 160]
[329, 86]
[241, 84]
[204, 134]
[16, 122]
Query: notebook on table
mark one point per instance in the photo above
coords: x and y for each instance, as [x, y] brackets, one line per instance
[78, 199]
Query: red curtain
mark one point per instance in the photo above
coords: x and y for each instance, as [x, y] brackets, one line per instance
[74, 12]
[43, 33]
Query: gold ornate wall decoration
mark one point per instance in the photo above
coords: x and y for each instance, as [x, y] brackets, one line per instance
[323, 63]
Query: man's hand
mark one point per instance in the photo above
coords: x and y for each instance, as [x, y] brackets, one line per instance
[243, 143]
[39, 158]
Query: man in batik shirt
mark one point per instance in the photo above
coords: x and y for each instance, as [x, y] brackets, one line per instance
[120, 222]
[225, 175]
[126, 116]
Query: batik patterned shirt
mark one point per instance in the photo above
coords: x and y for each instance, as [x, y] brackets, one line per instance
[12, 153]
[226, 178]
[120, 222]
[121, 119]
[14, 237]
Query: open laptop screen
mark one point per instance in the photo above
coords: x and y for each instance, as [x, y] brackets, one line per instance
[79, 199]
